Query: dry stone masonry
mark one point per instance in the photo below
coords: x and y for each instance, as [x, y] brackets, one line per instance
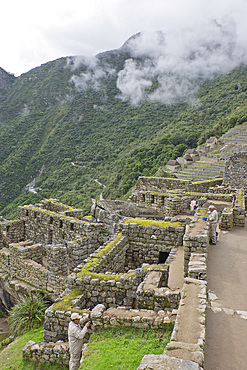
[116, 262]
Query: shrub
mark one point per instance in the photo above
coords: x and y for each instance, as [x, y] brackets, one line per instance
[28, 313]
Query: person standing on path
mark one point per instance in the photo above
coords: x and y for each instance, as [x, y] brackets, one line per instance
[213, 220]
[76, 334]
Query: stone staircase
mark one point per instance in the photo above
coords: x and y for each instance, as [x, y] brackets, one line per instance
[234, 140]
[212, 163]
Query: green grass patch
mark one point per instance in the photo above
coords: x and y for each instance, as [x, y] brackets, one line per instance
[122, 348]
[140, 221]
[65, 304]
[11, 356]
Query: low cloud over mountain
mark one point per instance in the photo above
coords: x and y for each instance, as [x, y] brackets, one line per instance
[170, 65]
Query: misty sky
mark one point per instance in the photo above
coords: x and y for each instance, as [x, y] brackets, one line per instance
[34, 32]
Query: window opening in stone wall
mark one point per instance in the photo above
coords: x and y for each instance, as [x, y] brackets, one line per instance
[152, 198]
[50, 237]
[26, 212]
[61, 224]
[51, 220]
[71, 226]
[35, 215]
[143, 198]
[162, 201]
[163, 257]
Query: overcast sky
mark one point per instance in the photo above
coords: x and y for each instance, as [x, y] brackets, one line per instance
[35, 32]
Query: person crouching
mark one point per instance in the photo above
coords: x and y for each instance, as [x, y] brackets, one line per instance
[76, 334]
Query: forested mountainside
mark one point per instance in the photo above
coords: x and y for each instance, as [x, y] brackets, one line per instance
[6, 82]
[75, 120]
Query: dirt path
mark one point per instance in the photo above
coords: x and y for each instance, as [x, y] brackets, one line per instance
[226, 329]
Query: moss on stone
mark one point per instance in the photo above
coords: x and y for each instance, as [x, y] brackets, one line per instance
[109, 246]
[85, 271]
[240, 198]
[142, 222]
[207, 181]
[65, 304]
[58, 215]
[60, 204]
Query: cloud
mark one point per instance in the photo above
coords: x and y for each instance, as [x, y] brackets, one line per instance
[36, 33]
[25, 111]
[183, 45]
[177, 61]
[93, 74]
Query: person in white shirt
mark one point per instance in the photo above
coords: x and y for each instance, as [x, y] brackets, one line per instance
[213, 220]
[76, 334]
[193, 205]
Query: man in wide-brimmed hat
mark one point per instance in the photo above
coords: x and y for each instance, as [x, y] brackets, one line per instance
[76, 334]
[213, 220]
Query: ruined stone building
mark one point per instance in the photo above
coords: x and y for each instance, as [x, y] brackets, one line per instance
[122, 257]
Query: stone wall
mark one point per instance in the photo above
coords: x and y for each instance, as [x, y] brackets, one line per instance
[189, 333]
[48, 227]
[44, 246]
[177, 202]
[112, 212]
[46, 267]
[114, 317]
[148, 240]
[152, 295]
[234, 216]
[235, 171]
[96, 282]
[196, 239]
[24, 261]
[114, 261]
[58, 351]
[162, 184]
[43, 353]
[226, 219]
[197, 268]
[11, 232]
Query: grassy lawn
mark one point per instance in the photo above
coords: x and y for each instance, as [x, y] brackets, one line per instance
[11, 356]
[123, 348]
[114, 348]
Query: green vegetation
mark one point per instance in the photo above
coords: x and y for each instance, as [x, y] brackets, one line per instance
[140, 221]
[65, 303]
[81, 136]
[28, 314]
[11, 356]
[123, 347]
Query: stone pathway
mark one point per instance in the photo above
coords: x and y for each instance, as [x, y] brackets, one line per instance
[176, 272]
[226, 329]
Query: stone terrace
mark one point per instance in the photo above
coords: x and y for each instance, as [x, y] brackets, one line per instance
[122, 264]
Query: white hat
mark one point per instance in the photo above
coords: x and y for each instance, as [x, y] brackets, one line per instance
[75, 315]
[211, 207]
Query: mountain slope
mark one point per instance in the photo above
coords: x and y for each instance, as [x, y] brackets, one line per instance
[6, 82]
[68, 117]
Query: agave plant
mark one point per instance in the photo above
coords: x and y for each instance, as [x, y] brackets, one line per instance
[28, 313]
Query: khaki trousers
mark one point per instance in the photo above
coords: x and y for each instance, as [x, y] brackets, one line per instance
[213, 227]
